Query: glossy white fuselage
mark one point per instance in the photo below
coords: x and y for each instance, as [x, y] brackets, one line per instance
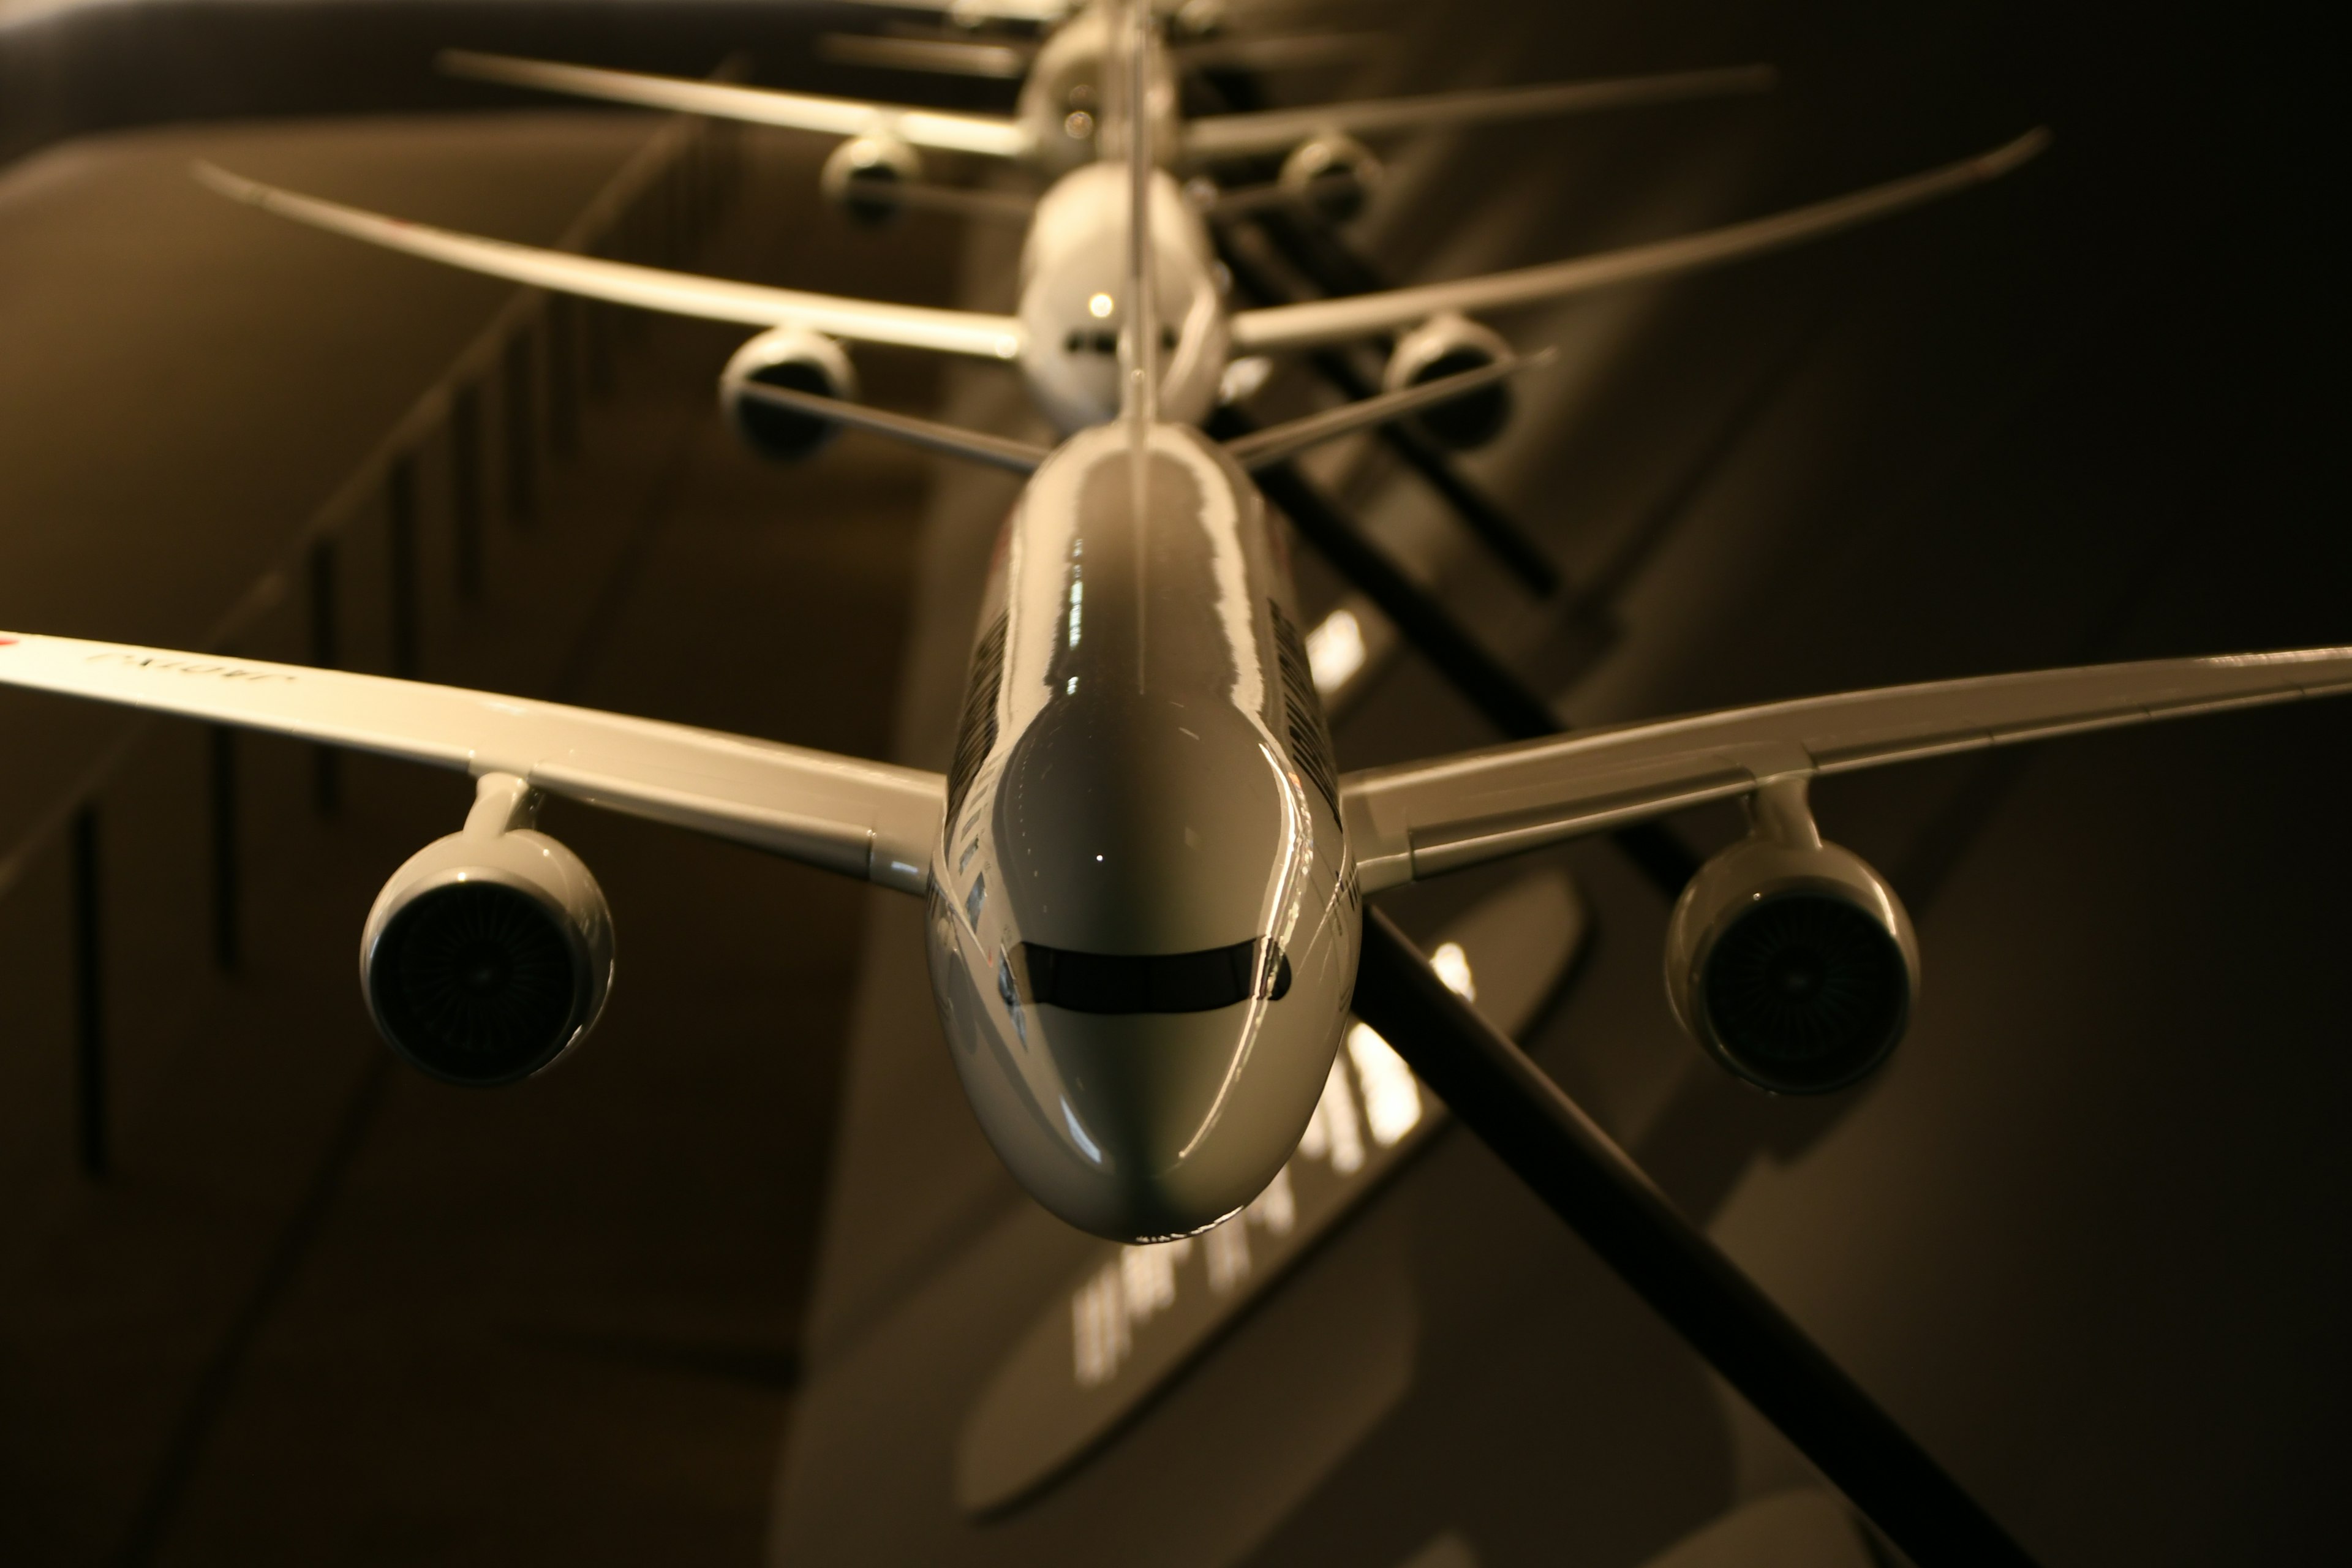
[1073, 299]
[1139, 786]
[1061, 104]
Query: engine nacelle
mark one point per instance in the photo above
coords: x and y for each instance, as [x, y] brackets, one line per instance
[1448, 344]
[793, 357]
[861, 175]
[490, 954]
[1791, 961]
[1331, 176]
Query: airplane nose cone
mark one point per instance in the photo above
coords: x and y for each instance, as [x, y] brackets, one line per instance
[1146, 1033]
[1143, 824]
[1181, 1119]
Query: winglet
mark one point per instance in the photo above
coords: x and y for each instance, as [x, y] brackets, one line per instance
[1993, 165]
[236, 188]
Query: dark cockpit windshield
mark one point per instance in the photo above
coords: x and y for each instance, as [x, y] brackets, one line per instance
[1155, 982]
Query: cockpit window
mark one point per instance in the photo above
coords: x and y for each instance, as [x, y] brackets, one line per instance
[1104, 341]
[1156, 982]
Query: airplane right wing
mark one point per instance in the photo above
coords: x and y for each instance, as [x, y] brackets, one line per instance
[1318, 322]
[1424, 819]
[861, 818]
[1279, 129]
[988, 135]
[649, 287]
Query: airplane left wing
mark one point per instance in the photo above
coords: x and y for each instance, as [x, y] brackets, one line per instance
[860, 818]
[1322, 322]
[1279, 129]
[648, 288]
[988, 135]
[1424, 819]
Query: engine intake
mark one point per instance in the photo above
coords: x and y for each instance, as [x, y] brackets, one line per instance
[1331, 176]
[1791, 961]
[790, 357]
[1448, 344]
[490, 954]
[862, 176]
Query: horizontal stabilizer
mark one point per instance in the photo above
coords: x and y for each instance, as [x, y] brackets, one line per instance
[1277, 443]
[648, 288]
[991, 136]
[1321, 321]
[1279, 129]
[996, 451]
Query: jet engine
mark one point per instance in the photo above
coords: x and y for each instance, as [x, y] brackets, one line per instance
[1448, 344]
[860, 175]
[490, 954]
[1791, 961]
[1331, 176]
[792, 357]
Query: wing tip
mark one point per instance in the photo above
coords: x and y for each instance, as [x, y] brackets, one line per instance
[2015, 152]
[472, 64]
[236, 188]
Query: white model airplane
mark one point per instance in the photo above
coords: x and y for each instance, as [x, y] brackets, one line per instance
[1144, 873]
[1058, 118]
[989, 43]
[1074, 298]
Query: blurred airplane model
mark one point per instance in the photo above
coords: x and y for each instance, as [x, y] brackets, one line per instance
[1143, 871]
[1058, 122]
[1074, 299]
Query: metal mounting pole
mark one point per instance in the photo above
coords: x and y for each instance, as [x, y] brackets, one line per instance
[1477, 675]
[1551, 1145]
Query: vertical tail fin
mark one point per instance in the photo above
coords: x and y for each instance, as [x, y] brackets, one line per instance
[1139, 397]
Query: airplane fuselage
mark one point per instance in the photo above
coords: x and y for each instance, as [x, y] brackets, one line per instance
[1062, 97]
[1144, 922]
[1073, 299]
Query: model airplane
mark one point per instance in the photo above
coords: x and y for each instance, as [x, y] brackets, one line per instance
[1058, 121]
[1074, 299]
[992, 43]
[1143, 871]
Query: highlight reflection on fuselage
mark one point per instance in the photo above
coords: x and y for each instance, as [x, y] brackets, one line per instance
[1144, 924]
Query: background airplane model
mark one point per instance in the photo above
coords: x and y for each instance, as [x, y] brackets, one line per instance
[1064, 331]
[1067, 325]
[1057, 123]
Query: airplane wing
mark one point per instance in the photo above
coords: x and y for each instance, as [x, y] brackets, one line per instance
[1279, 129]
[991, 136]
[1041, 13]
[1321, 321]
[650, 287]
[860, 818]
[946, 57]
[1424, 819]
